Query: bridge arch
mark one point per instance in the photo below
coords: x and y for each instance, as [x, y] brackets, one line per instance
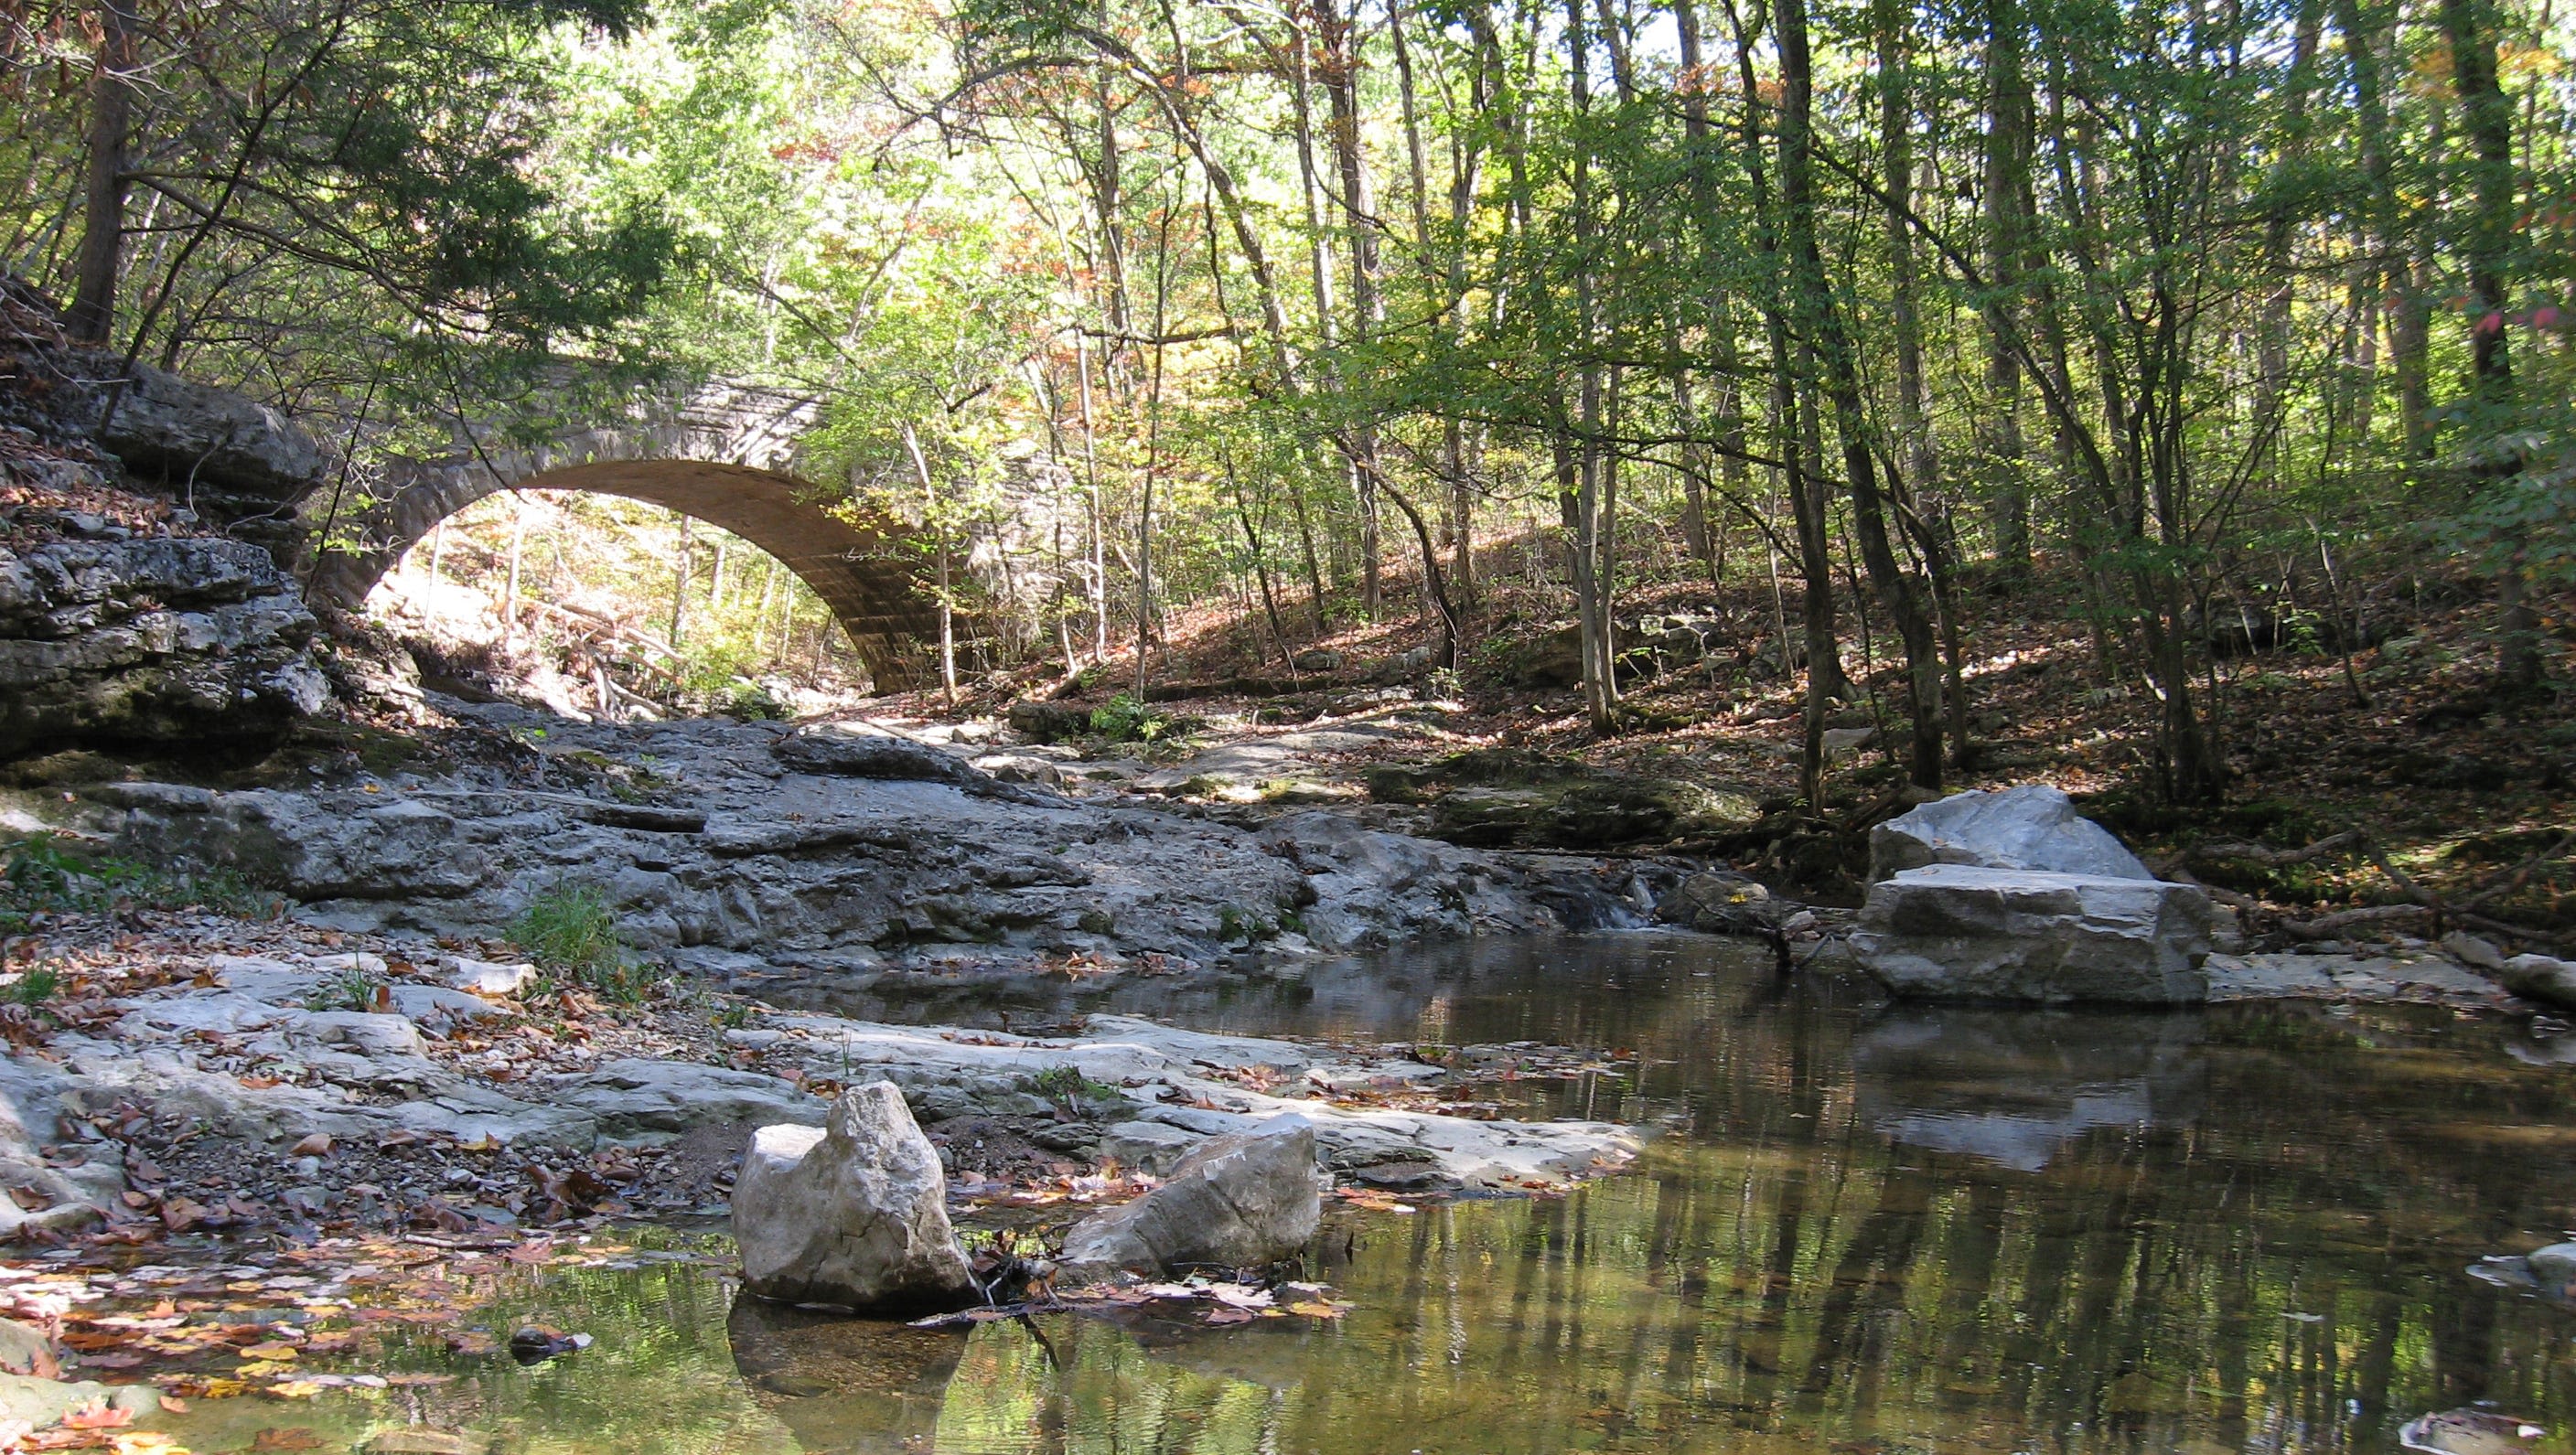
[719, 453]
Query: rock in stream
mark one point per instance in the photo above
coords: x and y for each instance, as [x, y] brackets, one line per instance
[854, 1212]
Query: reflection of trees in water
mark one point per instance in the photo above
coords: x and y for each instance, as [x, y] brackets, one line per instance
[2253, 1240]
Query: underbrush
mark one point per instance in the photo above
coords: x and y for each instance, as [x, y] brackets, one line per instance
[1123, 719]
[45, 873]
[570, 930]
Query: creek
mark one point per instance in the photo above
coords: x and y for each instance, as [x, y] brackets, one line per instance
[1856, 1229]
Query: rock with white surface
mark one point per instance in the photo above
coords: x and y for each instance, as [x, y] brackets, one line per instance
[1959, 932]
[854, 1212]
[2031, 827]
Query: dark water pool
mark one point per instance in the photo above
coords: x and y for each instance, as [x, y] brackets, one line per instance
[1857, 1230]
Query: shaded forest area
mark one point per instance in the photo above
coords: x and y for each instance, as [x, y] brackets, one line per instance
[2172, 396]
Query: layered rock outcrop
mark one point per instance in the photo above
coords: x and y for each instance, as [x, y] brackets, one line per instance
[120, 620]
[757, 859]
[176, 639]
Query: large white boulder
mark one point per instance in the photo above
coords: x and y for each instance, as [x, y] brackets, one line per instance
[1244, 1200]
[1961, 932]
[2031, 827]
[854, 1212]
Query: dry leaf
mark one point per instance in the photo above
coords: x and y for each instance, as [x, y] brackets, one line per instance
[316, 1145]
[65, 1439]
[97, 1416]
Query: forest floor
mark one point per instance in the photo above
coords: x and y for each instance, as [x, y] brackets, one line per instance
[2401, 748]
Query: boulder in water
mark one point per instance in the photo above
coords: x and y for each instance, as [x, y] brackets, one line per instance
[2031, 827]
[854, 1212]
[2540, 977]
[1244, 1200]
[1961, 932]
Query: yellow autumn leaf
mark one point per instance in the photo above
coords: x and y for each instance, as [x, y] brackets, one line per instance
[1314, 1310]
[275, 1349]
[295, 1389]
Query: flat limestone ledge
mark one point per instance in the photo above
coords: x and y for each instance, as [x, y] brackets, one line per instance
[1171, 1075]
[1963, 932]
[2398, 976]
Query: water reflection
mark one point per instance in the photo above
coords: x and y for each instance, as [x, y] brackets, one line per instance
[838, 1375]
[1861, 1232]
[2016, 1088]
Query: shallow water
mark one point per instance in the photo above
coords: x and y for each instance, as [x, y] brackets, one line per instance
[1857, 1230]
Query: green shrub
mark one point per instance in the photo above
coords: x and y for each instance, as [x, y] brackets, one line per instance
[350, 989]
[570, 929]
[1123, 719]
[1067, 1083]
[36, 986]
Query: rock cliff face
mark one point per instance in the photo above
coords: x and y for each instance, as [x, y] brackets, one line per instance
[174, 639]
[120, 621]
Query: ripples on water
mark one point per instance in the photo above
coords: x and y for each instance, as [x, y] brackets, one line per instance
[1858, 1230]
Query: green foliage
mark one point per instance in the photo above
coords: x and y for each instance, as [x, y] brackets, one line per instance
[1233, 924]
[1123, 719]
[1066, 1083]
[36, 985]
[570, 928]
[53, 873]
[350, 989]
[42, 873]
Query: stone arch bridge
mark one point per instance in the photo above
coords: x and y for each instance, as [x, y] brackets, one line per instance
[718, 452]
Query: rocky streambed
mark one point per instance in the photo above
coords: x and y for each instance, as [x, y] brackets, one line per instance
[334, 1041]
[372, 1055]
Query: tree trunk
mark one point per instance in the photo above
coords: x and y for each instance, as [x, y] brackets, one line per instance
[934, 518]
[1339, 64]
[2272, 342]
[1825, 679]
[510, 580]
[680, 565]
[111, 113]
[2007, 168]
[1821, 320]
[1917, 447]
[1579, 470]
[2486, 114]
